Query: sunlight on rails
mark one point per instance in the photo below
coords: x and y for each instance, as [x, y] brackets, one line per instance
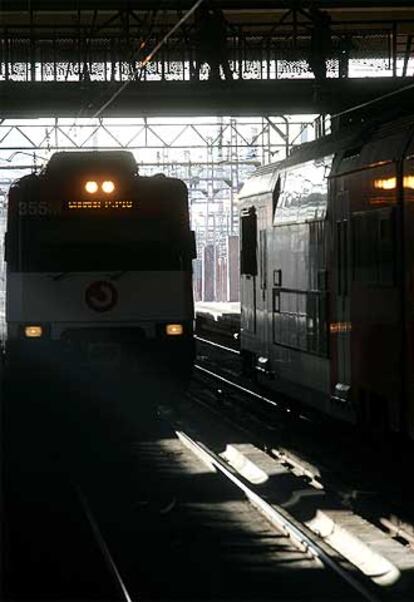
[247, 469]
[369, 562]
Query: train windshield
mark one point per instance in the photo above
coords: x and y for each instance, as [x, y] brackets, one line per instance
[86, 244]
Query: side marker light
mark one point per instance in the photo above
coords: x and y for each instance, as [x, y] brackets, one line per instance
[174, 329]
[33, 332]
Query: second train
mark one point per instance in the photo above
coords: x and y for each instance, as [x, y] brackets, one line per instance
[327, 275]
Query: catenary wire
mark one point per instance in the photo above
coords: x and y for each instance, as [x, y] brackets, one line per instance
[148, 58]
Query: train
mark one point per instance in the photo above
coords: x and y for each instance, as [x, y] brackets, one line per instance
[98, 263]
[327, 275]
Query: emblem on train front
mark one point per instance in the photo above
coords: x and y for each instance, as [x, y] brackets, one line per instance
[101, 296]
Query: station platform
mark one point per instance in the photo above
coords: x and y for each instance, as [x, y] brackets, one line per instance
[218, 321]
[218, 310]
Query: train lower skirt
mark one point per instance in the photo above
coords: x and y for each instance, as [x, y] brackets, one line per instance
[165, 364]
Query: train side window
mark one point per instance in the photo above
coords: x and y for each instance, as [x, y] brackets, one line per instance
[322, 321]
[300, 320]
[275, 196]
[386, 251]
[6, 247]
[248, 242]
[374, 248]
[193, 245]
[352, 152]
[364, 243]
[342, 257]
[276, 301]
[322, 280]
[356, 247]
[277, 277]
[312, 323]
[263, 258]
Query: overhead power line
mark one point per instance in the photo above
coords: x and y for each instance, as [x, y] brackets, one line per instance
[374, 100]
[148, 58]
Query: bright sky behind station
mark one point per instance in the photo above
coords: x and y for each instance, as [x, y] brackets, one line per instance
[213, 155]
[155, 142]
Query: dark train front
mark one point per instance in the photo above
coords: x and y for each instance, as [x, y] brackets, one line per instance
[327, 283]
[99, 270]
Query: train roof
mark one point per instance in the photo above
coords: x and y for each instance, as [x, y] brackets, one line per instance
[322, 147]
[81, 161]
[264, 179]
[342, 141]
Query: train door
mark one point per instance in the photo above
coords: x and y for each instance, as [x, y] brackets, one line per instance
[341, 325]
[408, 290]
[248, 269]
[365, 325]
[262, 285]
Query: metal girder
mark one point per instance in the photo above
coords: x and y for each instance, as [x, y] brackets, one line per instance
[220, 135]
[63, 5]
[111, 45]
[49, 99]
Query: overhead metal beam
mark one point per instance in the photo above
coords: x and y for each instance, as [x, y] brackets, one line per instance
[245, 98]
[65, 5]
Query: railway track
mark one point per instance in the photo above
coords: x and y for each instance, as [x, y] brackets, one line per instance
[52, 547]
[282, 522]
[169, 510]
[145, 519]
[228, 377]
[271, 425]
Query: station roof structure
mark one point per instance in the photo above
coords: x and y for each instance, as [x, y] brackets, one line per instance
[57, 58]
[259, 8]
[253, 5]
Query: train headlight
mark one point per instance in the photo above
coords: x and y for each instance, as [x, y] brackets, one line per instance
[108, 186]
[174, 329]
[33, 332]
[91, 186]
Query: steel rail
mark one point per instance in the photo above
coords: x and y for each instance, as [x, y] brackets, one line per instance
[236, 351]
[277, 516]
[236, 386]
[303, 465]
[103, 546]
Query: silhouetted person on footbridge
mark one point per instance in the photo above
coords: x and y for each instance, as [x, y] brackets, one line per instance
[321, 43]
[211, 43]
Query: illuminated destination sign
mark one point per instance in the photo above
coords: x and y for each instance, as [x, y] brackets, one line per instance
[96, 204]
[44, 208]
